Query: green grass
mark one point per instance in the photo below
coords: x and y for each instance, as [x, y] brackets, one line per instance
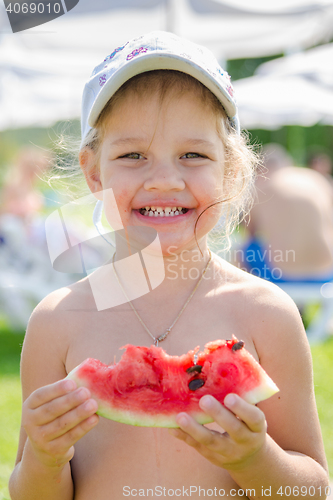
[10, 399]
[10, 404]
[322, 355]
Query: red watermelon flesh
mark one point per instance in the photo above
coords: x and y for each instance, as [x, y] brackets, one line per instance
[147, 387]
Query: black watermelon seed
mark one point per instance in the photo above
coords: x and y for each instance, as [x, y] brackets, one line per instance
[238, 345]
[195, 384]
[194, 368]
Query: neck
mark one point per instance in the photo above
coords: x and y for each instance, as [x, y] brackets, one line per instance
[180, 268]
[186, 266]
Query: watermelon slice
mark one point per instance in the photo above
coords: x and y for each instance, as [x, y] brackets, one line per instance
[149, 388]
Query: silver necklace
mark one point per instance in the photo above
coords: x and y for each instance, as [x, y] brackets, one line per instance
[168, 330]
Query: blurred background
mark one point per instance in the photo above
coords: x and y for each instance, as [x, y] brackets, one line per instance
[280, 57]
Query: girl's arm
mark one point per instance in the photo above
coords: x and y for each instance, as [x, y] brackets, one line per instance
[32, 480]
[290, 456]
[54, 415]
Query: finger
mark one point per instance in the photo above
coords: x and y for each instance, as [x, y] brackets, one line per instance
[68, 421]
[252, 416]
[49, 392]
[183, 436]
[198, 434]
[52, 410]
[61, 445]
[232, 425]
[189, 440]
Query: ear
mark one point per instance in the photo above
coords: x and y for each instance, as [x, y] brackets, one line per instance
[90, 169]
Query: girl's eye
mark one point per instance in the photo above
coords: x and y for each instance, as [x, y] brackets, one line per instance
[192, 155]
[133, 156]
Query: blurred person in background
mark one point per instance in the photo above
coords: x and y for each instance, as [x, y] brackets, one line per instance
[21, 203]
[26, 274]
[20, 195]
[291, 223]
[320, 161]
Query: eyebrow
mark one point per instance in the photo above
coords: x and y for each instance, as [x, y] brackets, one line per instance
[127, 140]
[188, 142]
[198, 143]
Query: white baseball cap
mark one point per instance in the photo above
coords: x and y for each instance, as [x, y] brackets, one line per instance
[153, 51]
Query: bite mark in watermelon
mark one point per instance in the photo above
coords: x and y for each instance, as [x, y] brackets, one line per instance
[147, 387]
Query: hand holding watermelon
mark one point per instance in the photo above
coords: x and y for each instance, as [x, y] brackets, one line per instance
[55, 417]
[245, 431]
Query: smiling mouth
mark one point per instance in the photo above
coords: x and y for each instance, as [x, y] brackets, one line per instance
[163, 212]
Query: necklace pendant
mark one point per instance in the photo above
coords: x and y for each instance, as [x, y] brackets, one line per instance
[162, 337]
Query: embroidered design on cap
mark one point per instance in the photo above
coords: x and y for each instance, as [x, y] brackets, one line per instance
[136, 52]
[118, 49]
[102, 80]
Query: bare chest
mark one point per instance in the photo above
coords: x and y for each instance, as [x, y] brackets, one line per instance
[102, 334]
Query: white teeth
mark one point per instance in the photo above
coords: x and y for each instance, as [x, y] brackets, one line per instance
[162, 212]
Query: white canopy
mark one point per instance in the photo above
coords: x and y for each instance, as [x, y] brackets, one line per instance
[232, 28]
[291, 90]
[43, 70]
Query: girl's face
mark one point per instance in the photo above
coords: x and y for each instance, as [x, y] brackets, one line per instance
[165, 165]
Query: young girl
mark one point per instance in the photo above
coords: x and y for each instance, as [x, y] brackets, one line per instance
[160, 132]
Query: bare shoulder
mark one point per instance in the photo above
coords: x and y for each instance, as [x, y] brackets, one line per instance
[274, 318]
[50, 331]
[264, 301]
[54, 310]
[269, 304]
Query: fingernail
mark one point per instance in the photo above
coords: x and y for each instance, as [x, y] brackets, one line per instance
[83, 392]
[182, 420]
[206, 402]
[89, 405]
[93, 419]
[229, 400]
[70, 385]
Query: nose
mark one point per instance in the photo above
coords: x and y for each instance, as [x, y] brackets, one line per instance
[164, 176]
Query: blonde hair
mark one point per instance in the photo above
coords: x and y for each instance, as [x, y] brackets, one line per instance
[240, 158]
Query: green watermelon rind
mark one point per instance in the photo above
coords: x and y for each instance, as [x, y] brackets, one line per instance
[263, 391]
[149, 421]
